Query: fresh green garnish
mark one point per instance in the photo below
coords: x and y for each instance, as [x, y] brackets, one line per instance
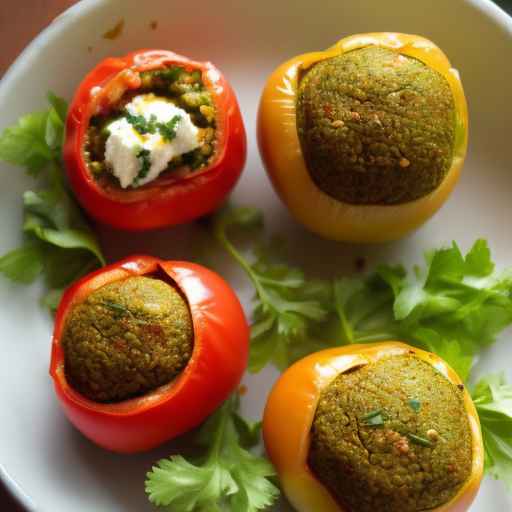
[415, 404]
[373, 419]
[117, 308]
[285, 303]
[371, 414]
[58, 243]
[492, 397]
[143, 126]
[168, 130]
[454, 305]
[228, 477]
[144, 157]
[422, 441]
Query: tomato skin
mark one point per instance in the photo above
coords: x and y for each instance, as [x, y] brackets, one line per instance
[291, 408]
[218, 361]
[165, 201]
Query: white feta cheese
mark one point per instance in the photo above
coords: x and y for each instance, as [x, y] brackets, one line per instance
[124, 143]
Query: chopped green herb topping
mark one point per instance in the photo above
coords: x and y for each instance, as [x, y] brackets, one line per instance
[374, 418]
[118, 308]
[145, 160]
[143, 126]
[420, 440]
[414, 404]
[371, 414]
[168, 130]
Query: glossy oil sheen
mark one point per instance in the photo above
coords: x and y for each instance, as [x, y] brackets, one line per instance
[54, 467]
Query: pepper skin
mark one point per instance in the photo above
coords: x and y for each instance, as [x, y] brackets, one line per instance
[291, 408]
[218, 361]
[166, 201]
[281, 152]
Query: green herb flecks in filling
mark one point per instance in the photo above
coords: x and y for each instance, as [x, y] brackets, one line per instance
[127, 338]
[183, 88]
[414, 404]
[399, 466]
[375, 126]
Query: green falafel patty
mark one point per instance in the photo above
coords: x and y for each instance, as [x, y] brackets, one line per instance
[375, 126]
[391, 436]
[127, 338]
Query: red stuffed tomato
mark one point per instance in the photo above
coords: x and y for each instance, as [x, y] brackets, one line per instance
[153, 139]
[144, 350]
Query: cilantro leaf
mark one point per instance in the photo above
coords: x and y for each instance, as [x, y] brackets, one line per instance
[58, 241]
[285, 304]
[24, 144]
[23, 264]
[492, 397]
[54, 132]
[227, 475]
[454, 305]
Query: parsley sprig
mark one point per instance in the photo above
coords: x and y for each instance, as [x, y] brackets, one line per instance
[57, 242]
[228, 477]
[492, 397]
[453, 305]
[285, 303]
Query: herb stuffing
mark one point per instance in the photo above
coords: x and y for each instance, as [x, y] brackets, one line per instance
[57, 241]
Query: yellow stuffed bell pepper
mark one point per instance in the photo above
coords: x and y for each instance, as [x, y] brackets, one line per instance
[295, 414]
[364, 141]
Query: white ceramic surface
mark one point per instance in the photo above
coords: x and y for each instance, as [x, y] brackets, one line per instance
[44, 461]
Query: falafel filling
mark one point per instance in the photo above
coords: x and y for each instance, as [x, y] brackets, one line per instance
[391, 436]
[127, 338]
[375, 126]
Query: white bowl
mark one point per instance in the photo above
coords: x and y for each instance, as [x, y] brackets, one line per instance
[46, 463]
